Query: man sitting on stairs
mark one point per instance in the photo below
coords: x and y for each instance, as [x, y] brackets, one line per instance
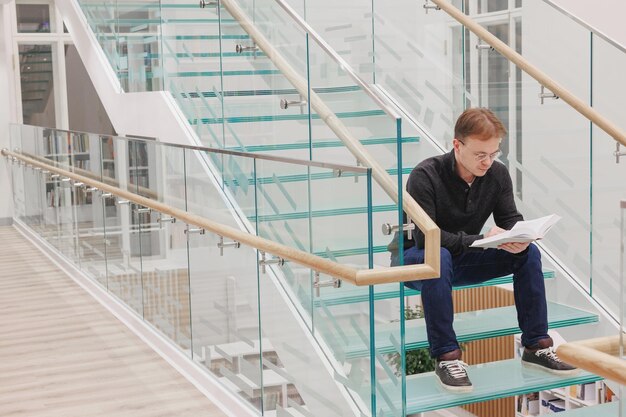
[459, 191]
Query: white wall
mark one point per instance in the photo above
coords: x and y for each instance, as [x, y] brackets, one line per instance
[6, 204]
[85, 110]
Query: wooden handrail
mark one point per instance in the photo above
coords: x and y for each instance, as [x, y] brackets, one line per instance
[596, 356]
[430, 268]
[314, 262]
[580, 106]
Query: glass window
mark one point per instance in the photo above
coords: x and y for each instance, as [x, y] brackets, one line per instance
[35, 63]
[33, 18]
[497, 5]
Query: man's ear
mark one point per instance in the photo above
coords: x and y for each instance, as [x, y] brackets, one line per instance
[456, 144]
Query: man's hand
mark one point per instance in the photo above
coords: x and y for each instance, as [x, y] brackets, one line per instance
[512, 247]
[495, 230]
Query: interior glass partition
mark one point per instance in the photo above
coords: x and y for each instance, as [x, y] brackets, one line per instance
[233, 309]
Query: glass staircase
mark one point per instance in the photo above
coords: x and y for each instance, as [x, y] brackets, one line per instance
[237, 100]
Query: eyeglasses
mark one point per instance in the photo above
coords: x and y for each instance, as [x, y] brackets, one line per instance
[481, 156]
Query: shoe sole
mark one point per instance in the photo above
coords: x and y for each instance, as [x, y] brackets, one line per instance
[452, 388]
[552, 371]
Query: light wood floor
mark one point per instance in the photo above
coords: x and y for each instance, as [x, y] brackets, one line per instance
[63, 354]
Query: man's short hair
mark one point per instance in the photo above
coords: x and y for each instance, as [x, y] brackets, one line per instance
[479, 122]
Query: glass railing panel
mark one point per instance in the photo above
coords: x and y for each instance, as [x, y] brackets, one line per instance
[341, 238]
[160, 176]
[239, 176]
[353, 40]
[606, 172]
[419, 62]
[33, 180]
[197, 281]
[450, 70]
[296, 209]
[17, 174]
[253, 88]
[191, 62]
[63, 156]
[122, 250]
[382, 137]
[588, 211]
[223, 287]
[279, 29]
[54, 187]
[380, 134]
[550, 149]
[89, 206]
[547, 180]
[129, 33]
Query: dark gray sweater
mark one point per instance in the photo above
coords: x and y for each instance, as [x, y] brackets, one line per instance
[459, 210]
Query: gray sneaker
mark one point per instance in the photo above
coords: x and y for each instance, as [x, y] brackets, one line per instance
[453, 375]
[547, 360]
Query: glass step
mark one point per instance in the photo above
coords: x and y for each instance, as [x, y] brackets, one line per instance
[276, 92]
[284, 117]
[232, 73]
[352, 294]
[202, 37]
[150, 36]
[252, 108]
[491, 381]
[139, 6]
[320, 213]
[600, 410]
[124, 21]
[319, 144]
[469, 326]
[199, 55]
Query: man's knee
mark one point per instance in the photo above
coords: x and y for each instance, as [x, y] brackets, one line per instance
[533, 253]
[533, 256]
[416, 256]
[445, 270]
[445, 258]
[530, 262]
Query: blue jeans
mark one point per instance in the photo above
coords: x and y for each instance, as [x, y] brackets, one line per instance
[472, 268]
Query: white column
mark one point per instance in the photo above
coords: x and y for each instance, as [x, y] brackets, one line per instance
[7, 110]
